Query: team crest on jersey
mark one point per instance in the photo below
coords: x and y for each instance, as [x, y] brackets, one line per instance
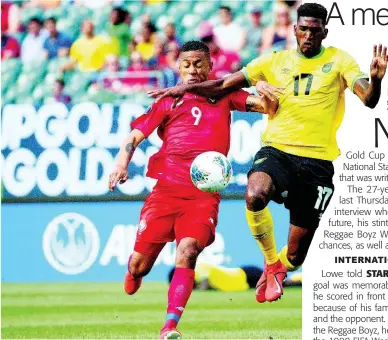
[327, 67]
[141, 226]
[286, 70]
[260, 160]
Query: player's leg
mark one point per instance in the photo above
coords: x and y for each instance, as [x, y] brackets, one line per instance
[294, 253]
[140, 263]
[154, 230]
[267, 179]
[309, 198]
[194, 230]
[182, 284]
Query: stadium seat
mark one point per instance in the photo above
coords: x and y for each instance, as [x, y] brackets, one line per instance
[155, 10]
[29, 12]
[53, 12]
[163, 20]
[135, 8]
[190, 21]
[205, 9]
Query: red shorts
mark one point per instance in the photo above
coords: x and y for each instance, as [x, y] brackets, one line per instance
[173, 212]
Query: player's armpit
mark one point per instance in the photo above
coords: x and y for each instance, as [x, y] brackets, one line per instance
[262, 104]
[368, 93]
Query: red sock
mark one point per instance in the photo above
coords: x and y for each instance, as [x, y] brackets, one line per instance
[131, 284]
[181, 286]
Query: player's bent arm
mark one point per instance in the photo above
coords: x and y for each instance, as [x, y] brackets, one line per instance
[262, 104]
[369, 93]
[219, 87]
[128, 147]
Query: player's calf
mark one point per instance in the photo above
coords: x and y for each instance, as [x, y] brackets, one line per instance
[139, 265]
[182, 282]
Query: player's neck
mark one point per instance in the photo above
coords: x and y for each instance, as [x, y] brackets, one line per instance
[313, 55]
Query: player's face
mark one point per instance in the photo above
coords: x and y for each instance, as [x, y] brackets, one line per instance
[194, 67]
[309, 33]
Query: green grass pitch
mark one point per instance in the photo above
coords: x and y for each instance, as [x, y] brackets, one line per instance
[104, 311]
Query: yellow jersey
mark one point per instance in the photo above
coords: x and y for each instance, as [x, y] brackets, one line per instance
[91, 53]
[313, 104]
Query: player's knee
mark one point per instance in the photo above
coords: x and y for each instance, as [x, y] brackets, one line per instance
[257, 197]
[187, 254]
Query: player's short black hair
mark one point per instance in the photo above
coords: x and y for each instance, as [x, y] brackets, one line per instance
[313, 10]
[195, 45]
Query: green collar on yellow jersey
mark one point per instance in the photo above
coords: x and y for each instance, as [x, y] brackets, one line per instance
[315, 57]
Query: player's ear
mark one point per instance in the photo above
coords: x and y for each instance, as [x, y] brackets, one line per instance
[295, 28]
[210, 66]
[325, 33]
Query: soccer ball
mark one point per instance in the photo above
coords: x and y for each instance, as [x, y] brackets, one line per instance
[211, 171]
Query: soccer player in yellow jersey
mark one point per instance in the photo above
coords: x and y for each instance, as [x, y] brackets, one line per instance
[294, 166]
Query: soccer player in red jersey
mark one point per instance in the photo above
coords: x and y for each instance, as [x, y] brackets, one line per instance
[176, 209]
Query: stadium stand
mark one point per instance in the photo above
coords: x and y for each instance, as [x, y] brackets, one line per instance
[124, 25]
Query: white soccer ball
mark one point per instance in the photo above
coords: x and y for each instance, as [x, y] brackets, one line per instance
[211, 171]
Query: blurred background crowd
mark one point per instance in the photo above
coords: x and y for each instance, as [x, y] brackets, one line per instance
[114, 50]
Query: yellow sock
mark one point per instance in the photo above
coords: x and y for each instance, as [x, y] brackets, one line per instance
[283, 258]
[262, 229]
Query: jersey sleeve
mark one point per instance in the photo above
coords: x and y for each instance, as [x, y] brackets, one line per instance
[151, 119]
[350, 71]
[256, 69]
[238, 99]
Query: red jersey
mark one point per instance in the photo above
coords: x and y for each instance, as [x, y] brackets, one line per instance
[196, 125]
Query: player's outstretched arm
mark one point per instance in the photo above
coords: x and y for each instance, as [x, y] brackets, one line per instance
[209, 88]
[262, 104]
[127, 149]
[370, 93]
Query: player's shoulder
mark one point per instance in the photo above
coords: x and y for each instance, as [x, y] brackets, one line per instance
[337, 53]
[163, 104]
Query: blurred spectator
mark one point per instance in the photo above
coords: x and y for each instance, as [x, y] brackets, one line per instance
[10, 47]
[171, 71]
[229, 35]
[281, 32]
[45, 4]
[118, 29]
[137, 63]
[158, 60]
[58, 43]
[59, 96]
[32, 45]
[254, 29]
[170, 35]
[90, 51]
[10, 17]
[146, 46]
[224, 62]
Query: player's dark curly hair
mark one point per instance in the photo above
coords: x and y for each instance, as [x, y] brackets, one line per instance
[313, 10]
[195, 45]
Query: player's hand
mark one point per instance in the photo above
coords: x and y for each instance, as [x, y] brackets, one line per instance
[177, 92]
[269, 91]
[379, 62]
[118, 175]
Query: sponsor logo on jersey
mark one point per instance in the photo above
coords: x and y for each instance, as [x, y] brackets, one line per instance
[211, 100]
[327, 67]
[71, 243]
